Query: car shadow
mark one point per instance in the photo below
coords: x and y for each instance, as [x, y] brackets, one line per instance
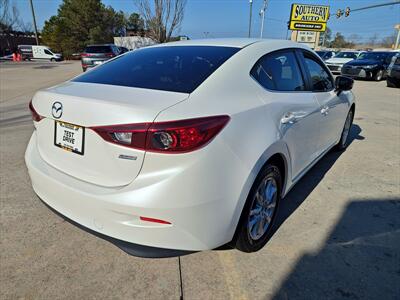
[306, 185]
[359, 259]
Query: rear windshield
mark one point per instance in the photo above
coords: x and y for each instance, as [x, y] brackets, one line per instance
[98, 49]
[168, 68]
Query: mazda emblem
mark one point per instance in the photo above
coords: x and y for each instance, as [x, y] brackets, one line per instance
[57, 110]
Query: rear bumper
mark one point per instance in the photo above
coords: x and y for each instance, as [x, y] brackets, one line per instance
[130, 248]
[201, 216]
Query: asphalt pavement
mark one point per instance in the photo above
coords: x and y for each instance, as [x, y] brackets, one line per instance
[338, 235]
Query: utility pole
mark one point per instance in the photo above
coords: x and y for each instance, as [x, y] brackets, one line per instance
[396, 45]
[251, 11]
[34, 22]
[262, 15]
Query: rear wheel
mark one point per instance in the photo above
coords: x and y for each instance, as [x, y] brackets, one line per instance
[389, 83]
[344, 138]
[259, 213]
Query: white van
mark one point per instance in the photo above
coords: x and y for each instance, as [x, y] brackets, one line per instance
[38, 52]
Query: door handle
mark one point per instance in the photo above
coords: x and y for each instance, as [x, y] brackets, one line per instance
[288, 118]
[325, 110]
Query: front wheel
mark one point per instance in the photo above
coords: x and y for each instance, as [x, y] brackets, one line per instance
[344, 138]
[379, 75]
[259, 213]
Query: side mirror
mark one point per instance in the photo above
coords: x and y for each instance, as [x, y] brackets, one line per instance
[343, 83]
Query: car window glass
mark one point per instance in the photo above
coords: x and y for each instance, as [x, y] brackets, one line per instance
[168, 68]
[47, 52]
[352, 55]
[116, 50]
[320, 79]
[278, 71]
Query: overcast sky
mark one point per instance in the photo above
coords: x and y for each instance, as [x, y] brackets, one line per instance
[229, 18]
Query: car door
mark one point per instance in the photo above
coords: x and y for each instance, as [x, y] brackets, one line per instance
[333, 108]
[47, 54]
[296, 111]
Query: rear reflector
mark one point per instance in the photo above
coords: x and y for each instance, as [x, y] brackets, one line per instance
[154, 220]
[165, 137]
[35, 116]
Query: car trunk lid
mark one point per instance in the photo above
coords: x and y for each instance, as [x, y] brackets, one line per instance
[86, 105]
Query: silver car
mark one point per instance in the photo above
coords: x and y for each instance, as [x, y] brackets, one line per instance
[97, 54]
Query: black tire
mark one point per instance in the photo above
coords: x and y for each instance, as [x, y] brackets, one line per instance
[390, 83]
[344, 138]
[52, 59]
[243, 240]
[379, 75]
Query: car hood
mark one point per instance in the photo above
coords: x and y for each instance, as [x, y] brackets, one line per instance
[338, 60]
[364, 62]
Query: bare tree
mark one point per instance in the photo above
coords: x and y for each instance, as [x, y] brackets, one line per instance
[9, 16]
[162, 18]
[373, 39]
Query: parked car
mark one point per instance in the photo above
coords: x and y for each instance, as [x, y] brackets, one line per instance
[7, 56]
[94, 55]
[393, 72]
[186, 146]
[30, 52]
[336, 63]
[369, 65]
[325, 54]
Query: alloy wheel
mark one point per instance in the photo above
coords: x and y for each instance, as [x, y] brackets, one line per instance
[263, 208]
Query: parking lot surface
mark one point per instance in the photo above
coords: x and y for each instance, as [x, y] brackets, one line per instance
[338, 235]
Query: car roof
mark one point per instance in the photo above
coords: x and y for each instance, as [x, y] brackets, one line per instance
[232, 42]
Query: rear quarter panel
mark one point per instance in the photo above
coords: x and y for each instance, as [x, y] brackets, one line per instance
[249, 139]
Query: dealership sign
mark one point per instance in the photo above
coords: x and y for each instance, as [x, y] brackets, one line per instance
[308, 17]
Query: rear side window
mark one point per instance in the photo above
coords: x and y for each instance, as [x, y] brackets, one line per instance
[278, 71]
[98, 49]
[168, 68]
[321, 80]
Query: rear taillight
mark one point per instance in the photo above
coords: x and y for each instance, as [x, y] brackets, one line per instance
[167, 137]
[84, 55]
[35, 116]
[109, 54]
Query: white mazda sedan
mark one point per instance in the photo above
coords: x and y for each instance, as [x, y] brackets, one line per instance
[186, 146]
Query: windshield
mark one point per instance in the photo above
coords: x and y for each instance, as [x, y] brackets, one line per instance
[168, 68]
[352, 55]
[374, 55]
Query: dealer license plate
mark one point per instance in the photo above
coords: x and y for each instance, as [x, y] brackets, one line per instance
[69, 137]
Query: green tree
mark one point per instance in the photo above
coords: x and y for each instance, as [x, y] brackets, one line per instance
[82, 22]
[135, 22]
